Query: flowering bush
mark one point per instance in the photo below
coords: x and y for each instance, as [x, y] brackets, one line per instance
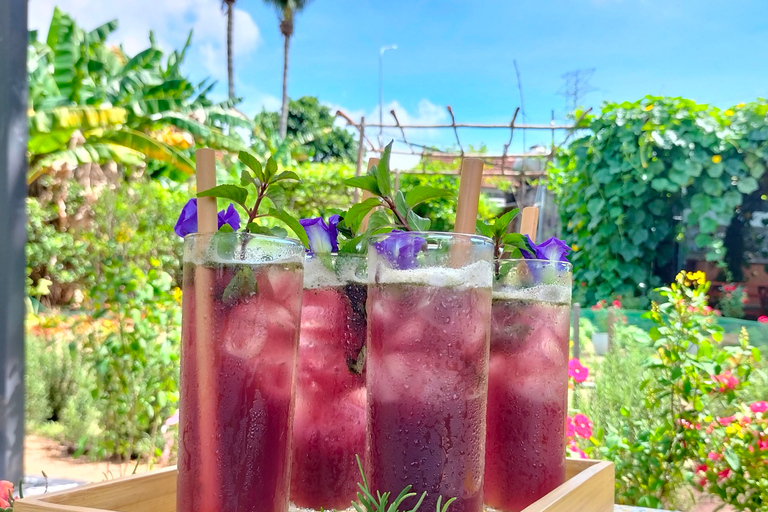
[732, 300]
[578, 428]
[6, 495]
[689, 394]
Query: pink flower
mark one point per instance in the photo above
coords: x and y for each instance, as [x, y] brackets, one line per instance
[570, 430]
[718, 312]
[713, 456]
[762, 444]
[727, 420]
[723, 475]
[727, 380]
[6, 490]
[582, 425]
[577, 371]
[173, 419]
[617, 303]
[729, 288]
[575, 449]
[759, 407]
[762, 319]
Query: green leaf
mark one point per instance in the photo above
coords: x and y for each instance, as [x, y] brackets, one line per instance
[358, 211]
[700, 203]
[712, 187]
[501, 224]
[250, 161]
[418, 222]
[624, 411]
[286, 175]
[270, 169]
[732, 459]
[234, 193]
[708, 225]
[662, 184]
[401, 204]
[732, 199]
[595, 205]
[243, 284]
[276, 194]
[292, 223]
[379, 219]
[246, 178]
[484, 229]
[419, 194]
[366, 182]
[382, 172]
[715, 170]
[258, 229]
[702, 240]
[747, 185]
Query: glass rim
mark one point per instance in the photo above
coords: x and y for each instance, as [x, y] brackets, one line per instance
[335, 255]
[566, 264]
[442, 235]
[247, 236]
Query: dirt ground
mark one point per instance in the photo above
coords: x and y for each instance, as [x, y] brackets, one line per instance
[44, 455]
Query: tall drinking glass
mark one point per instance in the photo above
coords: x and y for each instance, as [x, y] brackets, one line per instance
[240, 329]
[528, 383]
[329, 424]
[429, 308]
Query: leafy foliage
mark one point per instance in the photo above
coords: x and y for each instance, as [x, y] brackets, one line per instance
[649, 174]
[313, 125]
[689, 381]
[92, 103]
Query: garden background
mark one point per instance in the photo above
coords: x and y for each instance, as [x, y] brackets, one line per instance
[644, 190]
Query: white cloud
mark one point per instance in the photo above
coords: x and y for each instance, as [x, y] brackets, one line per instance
[171, 21]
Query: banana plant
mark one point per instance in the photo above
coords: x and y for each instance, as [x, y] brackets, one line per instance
[92, 103]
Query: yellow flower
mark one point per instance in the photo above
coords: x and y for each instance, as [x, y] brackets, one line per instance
[575, 247]
[154, 262]
[177, 294]
[717, 159]
[729, 112]
[697, 277]
[740, 105]
[648, 107]
[734, 428]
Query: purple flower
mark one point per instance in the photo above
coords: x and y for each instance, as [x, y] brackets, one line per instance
[187, 222]
[322, 236]
[550, 250]
[401, 249]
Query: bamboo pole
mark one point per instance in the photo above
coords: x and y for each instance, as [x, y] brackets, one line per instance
[207, 222]
[530, 222]
[466, 209]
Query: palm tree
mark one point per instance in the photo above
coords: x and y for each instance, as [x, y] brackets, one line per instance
[230, 6]
[286, 10]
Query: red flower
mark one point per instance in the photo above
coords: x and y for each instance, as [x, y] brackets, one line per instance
[726, 380]
[723, 475]
[762, 319]
[727, 420]
[759, 407]
[577, 371]
[762, 444]
[617, 303]
[729, 288]
[582, 425]
[6, 490]
[713, 456]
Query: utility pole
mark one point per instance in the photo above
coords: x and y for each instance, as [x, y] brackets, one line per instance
[13, 193]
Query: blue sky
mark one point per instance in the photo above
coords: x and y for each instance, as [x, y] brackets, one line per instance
[460, 52]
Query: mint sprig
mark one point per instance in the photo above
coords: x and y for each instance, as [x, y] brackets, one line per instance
[268, 187]
[505, 244]
[393, 210]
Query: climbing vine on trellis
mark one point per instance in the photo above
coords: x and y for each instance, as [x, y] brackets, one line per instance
[649, 174]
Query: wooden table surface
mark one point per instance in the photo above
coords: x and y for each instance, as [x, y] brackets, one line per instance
[625, 508]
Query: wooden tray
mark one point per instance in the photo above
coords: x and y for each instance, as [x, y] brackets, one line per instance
[588, 488]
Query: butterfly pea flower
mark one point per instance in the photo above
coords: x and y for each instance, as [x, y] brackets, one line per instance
[322, 237]
[552, 249]
[187, 222]
[400, 249]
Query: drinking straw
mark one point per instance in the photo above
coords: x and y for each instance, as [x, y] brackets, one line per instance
[469, 195]
[466, 207]
[366, 195]
[207, 222]
[530, 222]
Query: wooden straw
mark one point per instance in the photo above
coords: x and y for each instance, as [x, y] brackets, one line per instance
[469, 195]
[466, 208]
[530, 222]
[366, 195]
[207, 222]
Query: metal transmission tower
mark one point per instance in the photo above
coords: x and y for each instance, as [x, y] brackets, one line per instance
[576, 87]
